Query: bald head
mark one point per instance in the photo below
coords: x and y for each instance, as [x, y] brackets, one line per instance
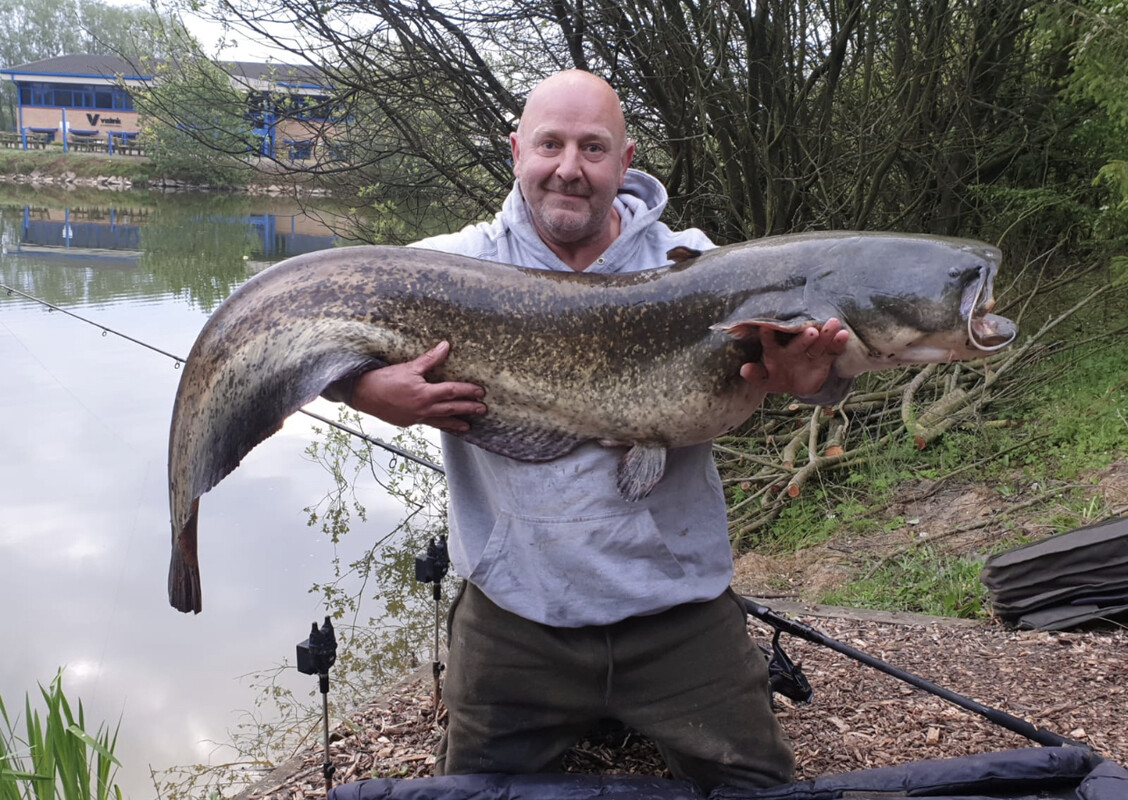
[579, 94]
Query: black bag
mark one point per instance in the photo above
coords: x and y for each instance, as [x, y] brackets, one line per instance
[1060, 773]
[1063, 581]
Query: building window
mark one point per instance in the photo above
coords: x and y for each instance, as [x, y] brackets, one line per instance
[75, 96]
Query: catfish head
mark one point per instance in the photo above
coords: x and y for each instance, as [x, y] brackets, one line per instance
[905, 300]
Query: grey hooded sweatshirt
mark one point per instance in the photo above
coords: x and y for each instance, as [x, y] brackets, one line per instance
[554, 542]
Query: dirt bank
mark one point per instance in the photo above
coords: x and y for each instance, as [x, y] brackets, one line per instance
[1068, 683]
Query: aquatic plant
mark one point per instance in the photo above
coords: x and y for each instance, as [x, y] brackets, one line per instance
[53, 757]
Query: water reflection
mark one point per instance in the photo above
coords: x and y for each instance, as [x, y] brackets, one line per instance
[185, 247]
[83, 231]
[84, 538]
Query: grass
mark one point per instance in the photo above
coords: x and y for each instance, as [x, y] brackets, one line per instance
[1073, 420]
[53, 161]
[53, 756]
[921, 581]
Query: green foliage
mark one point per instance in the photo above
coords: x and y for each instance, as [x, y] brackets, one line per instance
[195, 127]
[1087, 390]
[760, 118]
[1115, 175]
[54, 756]
[181, 158]
[835, 512]
[921, 581]
[38, 29]
[1099, 56]
[388, 566]
[381, 645]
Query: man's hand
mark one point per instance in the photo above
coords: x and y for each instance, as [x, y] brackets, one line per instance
[400, 394]
[802, 365]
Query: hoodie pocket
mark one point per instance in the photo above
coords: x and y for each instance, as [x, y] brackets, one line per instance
[577, 571]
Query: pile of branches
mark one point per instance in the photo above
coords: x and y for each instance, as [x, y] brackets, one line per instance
[770, 460]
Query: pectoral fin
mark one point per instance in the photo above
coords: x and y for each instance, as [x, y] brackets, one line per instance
[640, 469]
[524, 442]
[682, 254]
[750, 328]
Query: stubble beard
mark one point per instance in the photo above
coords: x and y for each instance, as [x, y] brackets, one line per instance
[567, 225]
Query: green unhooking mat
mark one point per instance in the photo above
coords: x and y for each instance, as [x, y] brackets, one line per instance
[1063, 581]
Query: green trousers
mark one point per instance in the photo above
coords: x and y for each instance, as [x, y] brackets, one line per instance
[519, 693]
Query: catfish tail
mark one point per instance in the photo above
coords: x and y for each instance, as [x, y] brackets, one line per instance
[184, 571]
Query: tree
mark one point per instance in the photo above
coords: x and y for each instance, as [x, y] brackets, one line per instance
[209, 127]
[761, 117]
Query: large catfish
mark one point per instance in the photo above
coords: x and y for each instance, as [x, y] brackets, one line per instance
[644, 361]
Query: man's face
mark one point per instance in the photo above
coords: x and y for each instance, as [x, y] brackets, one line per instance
[570, 156]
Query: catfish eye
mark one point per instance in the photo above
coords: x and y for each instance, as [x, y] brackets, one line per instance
[967, 273]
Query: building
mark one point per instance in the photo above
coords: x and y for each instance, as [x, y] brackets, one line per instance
[85, 101]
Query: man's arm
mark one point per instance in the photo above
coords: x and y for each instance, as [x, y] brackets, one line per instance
[400, 394]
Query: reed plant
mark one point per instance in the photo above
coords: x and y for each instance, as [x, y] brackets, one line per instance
[52, 756]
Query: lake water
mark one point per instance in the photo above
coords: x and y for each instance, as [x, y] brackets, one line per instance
[84, 532]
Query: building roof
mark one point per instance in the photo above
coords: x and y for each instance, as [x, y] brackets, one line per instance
[80, 66]
[287, 74]
[110, 67]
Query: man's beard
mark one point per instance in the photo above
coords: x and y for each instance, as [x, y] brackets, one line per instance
[566, 225]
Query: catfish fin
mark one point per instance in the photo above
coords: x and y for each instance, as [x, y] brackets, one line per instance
[745, 329]
[681, 253]
[341, 389]
[526, 442]
[184, 570]
[258, 415]
[640, 469]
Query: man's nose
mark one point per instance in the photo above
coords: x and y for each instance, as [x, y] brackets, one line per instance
[570, 165]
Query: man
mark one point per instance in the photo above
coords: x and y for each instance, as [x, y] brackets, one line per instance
[579, 605]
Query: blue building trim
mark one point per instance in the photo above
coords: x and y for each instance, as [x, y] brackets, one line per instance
[90, 86]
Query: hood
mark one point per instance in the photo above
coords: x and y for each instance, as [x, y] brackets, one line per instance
[640, 203]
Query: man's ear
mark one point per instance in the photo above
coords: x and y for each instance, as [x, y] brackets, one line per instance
[628, 157]
[515, 150]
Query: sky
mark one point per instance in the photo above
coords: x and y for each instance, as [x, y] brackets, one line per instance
[210, 34]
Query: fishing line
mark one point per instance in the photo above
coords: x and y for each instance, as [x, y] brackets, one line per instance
[98, 325]
[39, 362]
[391, 448]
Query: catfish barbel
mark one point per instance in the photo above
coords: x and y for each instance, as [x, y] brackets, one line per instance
[644, 360]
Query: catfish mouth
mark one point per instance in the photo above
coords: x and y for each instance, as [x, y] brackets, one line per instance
[986, 332]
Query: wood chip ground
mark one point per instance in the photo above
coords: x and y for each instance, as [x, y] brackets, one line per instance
[1074, 684]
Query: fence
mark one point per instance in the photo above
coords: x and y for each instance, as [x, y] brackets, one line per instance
[109, 142]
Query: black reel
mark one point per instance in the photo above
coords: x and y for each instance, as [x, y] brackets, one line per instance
[784, 675]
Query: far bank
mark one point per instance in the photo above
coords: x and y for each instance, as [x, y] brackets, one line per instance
[53, 167]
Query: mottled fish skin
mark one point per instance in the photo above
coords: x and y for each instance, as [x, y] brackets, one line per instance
[647, 359]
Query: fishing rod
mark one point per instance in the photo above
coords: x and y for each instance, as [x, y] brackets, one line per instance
[391, 448]
[1001, 718]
